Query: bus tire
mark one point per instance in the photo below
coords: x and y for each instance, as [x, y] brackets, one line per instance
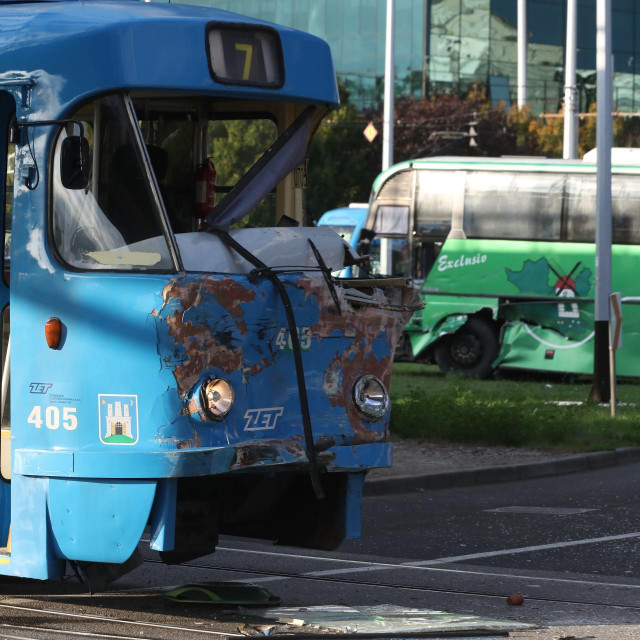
[471, 350]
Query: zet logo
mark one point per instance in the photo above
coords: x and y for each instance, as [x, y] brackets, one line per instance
[261, 419]
[118, 419]
[40, 387]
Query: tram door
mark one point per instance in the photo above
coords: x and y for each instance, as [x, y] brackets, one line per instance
[7, 163]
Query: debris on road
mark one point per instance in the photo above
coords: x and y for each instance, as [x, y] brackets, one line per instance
[515, 600]
[388, 619]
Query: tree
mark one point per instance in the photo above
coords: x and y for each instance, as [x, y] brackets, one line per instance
[235, 146]
[549, 133]
[342, 163]
[449, 124]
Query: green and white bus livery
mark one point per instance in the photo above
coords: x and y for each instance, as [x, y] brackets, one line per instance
[503, 253]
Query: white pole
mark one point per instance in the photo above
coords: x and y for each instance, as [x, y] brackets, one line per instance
[522, 53]
[604, 139]
[570, 144]
[387, 124]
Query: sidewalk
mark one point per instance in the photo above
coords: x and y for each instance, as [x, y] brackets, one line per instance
[422, 464]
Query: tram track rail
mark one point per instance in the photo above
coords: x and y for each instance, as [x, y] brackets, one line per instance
[36, 619]
[60, 614]
[406, 587]
[10, 631]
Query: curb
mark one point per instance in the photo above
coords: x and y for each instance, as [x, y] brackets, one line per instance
[502, 473]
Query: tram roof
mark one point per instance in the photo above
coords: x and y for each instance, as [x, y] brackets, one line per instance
[73, 49]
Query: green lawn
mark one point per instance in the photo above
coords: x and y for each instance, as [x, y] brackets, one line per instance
[514, 410]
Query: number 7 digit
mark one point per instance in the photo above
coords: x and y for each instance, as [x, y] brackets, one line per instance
[247, 49]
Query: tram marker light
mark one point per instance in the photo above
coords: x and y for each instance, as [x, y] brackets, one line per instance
[53, 332]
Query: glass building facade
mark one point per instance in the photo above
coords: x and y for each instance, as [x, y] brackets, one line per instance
[450, 45]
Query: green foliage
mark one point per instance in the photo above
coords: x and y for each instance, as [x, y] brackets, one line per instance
[522, 124]
[547, 133]
[513, 412]
[235, 146]
[441, 124]
[342, 163]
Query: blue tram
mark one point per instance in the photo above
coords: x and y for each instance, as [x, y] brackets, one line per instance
[176, 354]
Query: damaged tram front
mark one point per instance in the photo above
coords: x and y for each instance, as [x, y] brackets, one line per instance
[176, 352]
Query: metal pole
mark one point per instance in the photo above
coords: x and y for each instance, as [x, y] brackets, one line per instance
[425, 46]
[604, 136]
[387, 120]
[522, 53]
[612, 380]
[570, 145]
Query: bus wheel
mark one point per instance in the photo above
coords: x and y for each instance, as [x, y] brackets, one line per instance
[471, 350]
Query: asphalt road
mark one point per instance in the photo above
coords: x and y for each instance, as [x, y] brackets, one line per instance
[569, 544]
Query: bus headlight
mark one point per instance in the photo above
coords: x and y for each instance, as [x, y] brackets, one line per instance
[370, 396]
[216, 396]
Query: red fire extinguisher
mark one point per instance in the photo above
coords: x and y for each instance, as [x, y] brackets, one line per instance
[205, 189]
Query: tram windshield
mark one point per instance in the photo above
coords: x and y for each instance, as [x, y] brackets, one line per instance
[145, 153]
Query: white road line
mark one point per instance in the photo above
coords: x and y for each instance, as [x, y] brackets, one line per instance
[374, 566]
[539, 547]
[535, 578]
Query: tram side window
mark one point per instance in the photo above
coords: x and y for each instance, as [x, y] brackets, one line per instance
[114, 223]
[522, 206]
[434, 202]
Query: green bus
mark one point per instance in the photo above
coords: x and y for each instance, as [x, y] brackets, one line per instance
[502, 250]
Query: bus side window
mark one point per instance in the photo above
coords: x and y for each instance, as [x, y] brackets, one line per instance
[625, 199]
[513, 205]
[435, 191]
[580, 205]
[425, 254]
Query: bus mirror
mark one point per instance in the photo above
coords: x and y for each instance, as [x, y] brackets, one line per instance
[366, 236]
[74, 162]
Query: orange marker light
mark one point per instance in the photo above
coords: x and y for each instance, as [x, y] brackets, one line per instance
[53, 332]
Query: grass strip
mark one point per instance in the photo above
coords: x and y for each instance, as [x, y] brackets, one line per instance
[518, 411]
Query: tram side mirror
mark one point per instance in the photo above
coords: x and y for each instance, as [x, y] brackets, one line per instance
[74, 162]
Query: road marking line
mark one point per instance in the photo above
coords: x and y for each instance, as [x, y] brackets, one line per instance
[492, 554]
[372, 566]
[544, 511]
[536, 578]
[539, 547]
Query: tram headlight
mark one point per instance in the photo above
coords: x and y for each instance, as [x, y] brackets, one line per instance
[216, 396]
[370, 397]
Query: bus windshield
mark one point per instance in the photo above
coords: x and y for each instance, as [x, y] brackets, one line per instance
[344, 230]
[389, 256]
[145, 153]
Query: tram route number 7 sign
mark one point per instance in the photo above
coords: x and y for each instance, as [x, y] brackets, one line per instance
[615, 321]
